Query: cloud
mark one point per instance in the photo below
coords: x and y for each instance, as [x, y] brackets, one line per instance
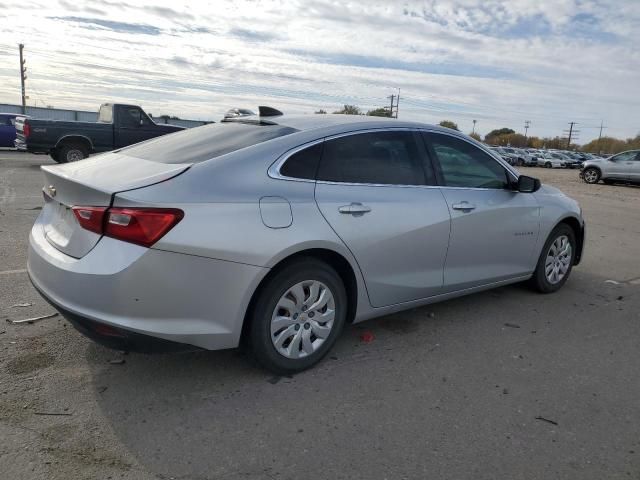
[496, 61]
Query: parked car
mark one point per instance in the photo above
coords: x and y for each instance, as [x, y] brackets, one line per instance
[7, 129]
[281, 230]
[623, 167]
[526, 157]
[117, 126]
[574, 159]
[507, 156]
[552, 160]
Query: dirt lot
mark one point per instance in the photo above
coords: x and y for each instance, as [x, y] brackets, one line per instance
[503, 384]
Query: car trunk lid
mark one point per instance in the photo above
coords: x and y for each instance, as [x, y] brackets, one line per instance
[92, 182]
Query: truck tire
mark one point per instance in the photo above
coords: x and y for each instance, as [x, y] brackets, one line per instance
[71, 152]
[55, 155]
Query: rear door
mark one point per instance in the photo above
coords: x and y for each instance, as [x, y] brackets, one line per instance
[494, 229]
[378, 197]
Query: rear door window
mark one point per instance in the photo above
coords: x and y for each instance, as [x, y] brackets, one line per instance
[303, 164]
[203, 143]
[380, 158]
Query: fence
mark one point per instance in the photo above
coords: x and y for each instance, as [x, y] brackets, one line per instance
[84, 116]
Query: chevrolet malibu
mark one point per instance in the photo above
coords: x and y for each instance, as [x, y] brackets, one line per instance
[276, 231]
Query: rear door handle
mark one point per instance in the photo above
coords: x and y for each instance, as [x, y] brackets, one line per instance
[464, 206]
[355, 209]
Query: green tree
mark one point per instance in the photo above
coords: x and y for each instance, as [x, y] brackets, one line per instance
[379, 112]
[350, 110]
[449, 124]
[475, 136]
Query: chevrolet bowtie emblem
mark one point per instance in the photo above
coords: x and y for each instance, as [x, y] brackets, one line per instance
[51, 190]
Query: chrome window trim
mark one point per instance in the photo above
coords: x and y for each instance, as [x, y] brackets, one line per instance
[274, 169]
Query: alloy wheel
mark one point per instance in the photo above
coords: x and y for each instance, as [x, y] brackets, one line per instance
[590, 176]
[302, 319]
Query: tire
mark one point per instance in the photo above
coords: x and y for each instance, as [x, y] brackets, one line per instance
[548, 165]
[520, 162]
[276, 300]
[71, 152]
[561, 264]
[591, 175]
[55, 155]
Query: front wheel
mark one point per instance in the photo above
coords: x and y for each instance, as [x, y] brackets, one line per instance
[297, 317]
[556, 260]
[591, 175]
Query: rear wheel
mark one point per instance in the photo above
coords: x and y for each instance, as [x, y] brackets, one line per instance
[548, 165]
[71, 152]
[297, 317]
[520, 162]
[556, 260]
[591, 175]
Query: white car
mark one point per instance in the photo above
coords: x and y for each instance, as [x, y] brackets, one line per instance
[551, 160]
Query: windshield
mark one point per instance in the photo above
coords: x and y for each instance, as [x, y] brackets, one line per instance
[206, 142]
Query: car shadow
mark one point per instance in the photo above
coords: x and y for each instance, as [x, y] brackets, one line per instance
[387, 383]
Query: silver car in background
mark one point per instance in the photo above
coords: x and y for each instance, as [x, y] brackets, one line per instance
[623, 167]
[279, 230]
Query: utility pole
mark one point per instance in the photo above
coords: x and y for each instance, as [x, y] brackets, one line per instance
[526, 128]
[571, 133]
[23, 77]
[473, 130]
[600, 135]
[393, 109]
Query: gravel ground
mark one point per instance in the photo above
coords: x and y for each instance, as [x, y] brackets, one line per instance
[503, 384]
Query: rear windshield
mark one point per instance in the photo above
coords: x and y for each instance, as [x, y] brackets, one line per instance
[203, 143]
[105, 115]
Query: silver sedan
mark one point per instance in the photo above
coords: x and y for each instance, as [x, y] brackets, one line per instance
[277, 231]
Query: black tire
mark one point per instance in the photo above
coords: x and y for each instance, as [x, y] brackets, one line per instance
[592, 179]
[539, 279]
[548, 165]
[71, 152]
[55, 155]
[520, 162]
[259, 330]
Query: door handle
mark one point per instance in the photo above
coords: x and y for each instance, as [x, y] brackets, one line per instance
[355, 209]
[464, 206]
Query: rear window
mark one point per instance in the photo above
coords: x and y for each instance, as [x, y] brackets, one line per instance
[203, 143]
[105, 115]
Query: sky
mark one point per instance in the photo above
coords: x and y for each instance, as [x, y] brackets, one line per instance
[499, 62]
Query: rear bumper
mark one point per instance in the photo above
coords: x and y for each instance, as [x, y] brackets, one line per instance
[144, 292]
[117, 338]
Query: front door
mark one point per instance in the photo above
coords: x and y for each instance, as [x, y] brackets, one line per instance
[621, 165]
[381, 201]
[494, 229]
[133, 126]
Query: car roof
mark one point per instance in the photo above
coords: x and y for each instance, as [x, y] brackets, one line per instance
[318, 121]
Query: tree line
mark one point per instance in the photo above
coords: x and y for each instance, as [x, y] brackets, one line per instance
[507, 136]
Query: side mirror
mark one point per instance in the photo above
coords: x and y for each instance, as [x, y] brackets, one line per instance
[528, 184]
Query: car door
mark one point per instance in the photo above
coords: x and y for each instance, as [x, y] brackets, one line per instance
[7, 131]
[381, 200]
[133, 126]
[635, 168]
[620, 166]
[494, 229]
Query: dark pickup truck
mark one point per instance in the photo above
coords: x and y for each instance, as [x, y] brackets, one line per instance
[117, 126]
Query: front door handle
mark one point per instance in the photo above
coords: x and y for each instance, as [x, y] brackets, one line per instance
[464, 206]
[355, 209]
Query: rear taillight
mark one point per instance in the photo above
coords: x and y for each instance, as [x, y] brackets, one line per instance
[26, 129]
[142, 226]
[90, 218]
